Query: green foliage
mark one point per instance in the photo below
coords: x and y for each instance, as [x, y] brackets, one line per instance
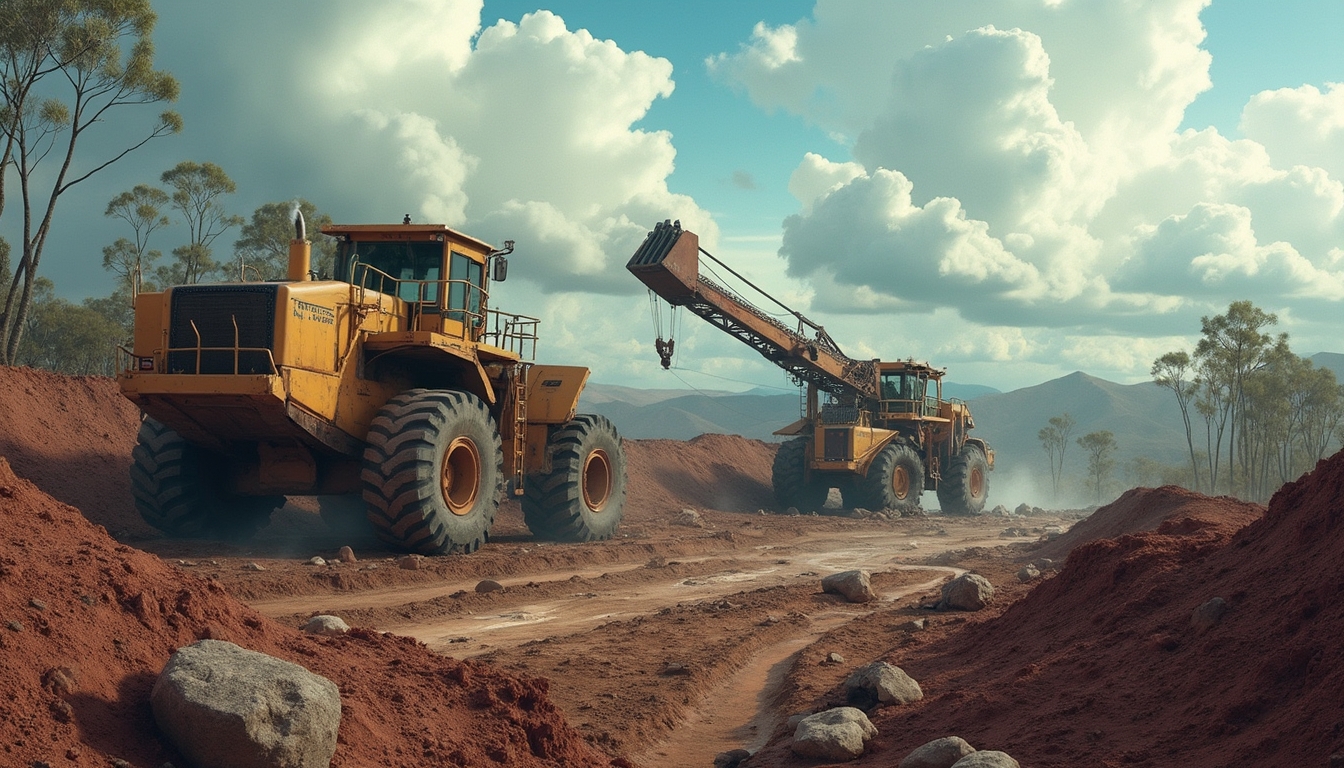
[65, 66]
[1175, 371]
[73, 338]
[1099, 447]
[197, 189]
[263, 248]
[1054, 439]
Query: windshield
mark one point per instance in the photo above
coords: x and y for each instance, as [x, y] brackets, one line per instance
[902, 386]
[402, 261]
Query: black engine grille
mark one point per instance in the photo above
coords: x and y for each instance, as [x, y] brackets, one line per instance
[214, 309]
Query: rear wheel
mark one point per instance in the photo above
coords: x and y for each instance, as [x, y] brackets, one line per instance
[895, 480]
[965, 486]
[582, 498]
[789, 476]
[433, 472]
[179, 490]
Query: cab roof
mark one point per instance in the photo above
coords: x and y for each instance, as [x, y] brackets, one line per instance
[401, 232]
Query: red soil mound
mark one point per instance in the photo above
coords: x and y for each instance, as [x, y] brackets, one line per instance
[86, 624]
[72, 436]
[1102, 665]
[1149, 509]
[721, 472]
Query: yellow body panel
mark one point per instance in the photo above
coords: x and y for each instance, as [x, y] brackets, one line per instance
[553, 393]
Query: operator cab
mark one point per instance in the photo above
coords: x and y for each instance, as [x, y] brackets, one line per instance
[905, 389]
[409, 262]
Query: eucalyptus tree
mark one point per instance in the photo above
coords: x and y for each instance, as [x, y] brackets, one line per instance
[196, 192]
[66, 66]
[262, 249]
[1054, 439]
[1099, 447]
[142, 208]
[1175, 371]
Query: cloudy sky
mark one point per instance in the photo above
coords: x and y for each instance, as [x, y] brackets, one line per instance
[1013, 189]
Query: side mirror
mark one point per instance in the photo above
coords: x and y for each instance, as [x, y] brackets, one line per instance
[501, 269]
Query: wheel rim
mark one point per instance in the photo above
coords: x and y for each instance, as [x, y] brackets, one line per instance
[900, 482]
[977, 483]
[596, 480]
[461, 475]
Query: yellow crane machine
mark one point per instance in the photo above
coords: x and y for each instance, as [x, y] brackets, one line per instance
[392, 391]
[880, 432]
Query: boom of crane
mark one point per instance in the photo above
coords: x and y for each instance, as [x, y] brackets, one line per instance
[884, 434]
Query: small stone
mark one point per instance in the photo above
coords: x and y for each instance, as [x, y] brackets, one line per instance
[33, 602]
[836, 734]
[117, 762]
[689, 518]
[881, 683]
[676, 668]
[1208, 614]
[731, 759]
[62, 711]
[967, 592]
[940, 753]
[1028, 573]
[987, 758]
[317, 561]
[253, 567]
[855, 586]
[14, 625]
[410, 562]
[834, 658]
[329, 626]
[489, 585]
[914, 625]
[346, 555]
[791, 511]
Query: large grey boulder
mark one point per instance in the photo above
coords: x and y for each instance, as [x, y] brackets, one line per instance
[856, 586]
[881, 683]
[836, 734]
[226, 707]
[967, 592]
[939, 753]
[988, 758]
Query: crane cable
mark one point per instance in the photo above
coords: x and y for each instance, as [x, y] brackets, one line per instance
[666, 348]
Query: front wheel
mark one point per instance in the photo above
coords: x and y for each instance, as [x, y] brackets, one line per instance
[433, 472]
[792, 484]
[178, 489]
[965, 487]
[582, 498]
[895, 480]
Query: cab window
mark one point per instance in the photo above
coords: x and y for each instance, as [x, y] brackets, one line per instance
[417, 267]
[464, 290]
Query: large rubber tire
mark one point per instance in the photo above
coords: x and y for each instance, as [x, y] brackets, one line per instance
[582, 498]
[789, 477]
[895, 481]
[965, 485]
[433, 472]
[345, 514]
[178, 490]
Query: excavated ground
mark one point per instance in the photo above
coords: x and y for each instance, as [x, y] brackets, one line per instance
[672, 643]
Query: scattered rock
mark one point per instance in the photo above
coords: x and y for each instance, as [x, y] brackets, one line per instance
[988, 758]
[346, 555]
[731, 759]
[915, 625]
[14, 626]
[836, 734]
[1023, 510]
[1208, 614]
[221, 705]
[967, 592]
[317, 561]
[59, 680]
[834, 658]
[1028, 573]
[253, 567]
[791, 511]
[1052, 532]
[689, 518]
[1043, 564]
[769, 620]
[657, 561]
[939, 753]
[411, 562]
[881, 683]
[33, 602]
[489, 585]
[331, 626]
[676, 668]
[1000, 511]
[856, 586]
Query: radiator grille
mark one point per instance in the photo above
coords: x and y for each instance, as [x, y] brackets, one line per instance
[214, 309]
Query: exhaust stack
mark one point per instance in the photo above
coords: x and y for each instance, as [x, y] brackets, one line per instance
[300, 251]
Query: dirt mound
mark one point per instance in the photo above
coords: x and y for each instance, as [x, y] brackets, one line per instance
[1102, 664]
[722, 472]
[1150, 509]
[72, 436]
[86, 624]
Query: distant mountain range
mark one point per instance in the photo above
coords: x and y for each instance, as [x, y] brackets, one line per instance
[1143, 417]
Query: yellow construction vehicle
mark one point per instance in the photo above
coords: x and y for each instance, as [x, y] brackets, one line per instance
[884, 434]
[392, 384]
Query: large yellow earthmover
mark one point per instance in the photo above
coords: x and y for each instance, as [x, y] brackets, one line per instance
[391, 391]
